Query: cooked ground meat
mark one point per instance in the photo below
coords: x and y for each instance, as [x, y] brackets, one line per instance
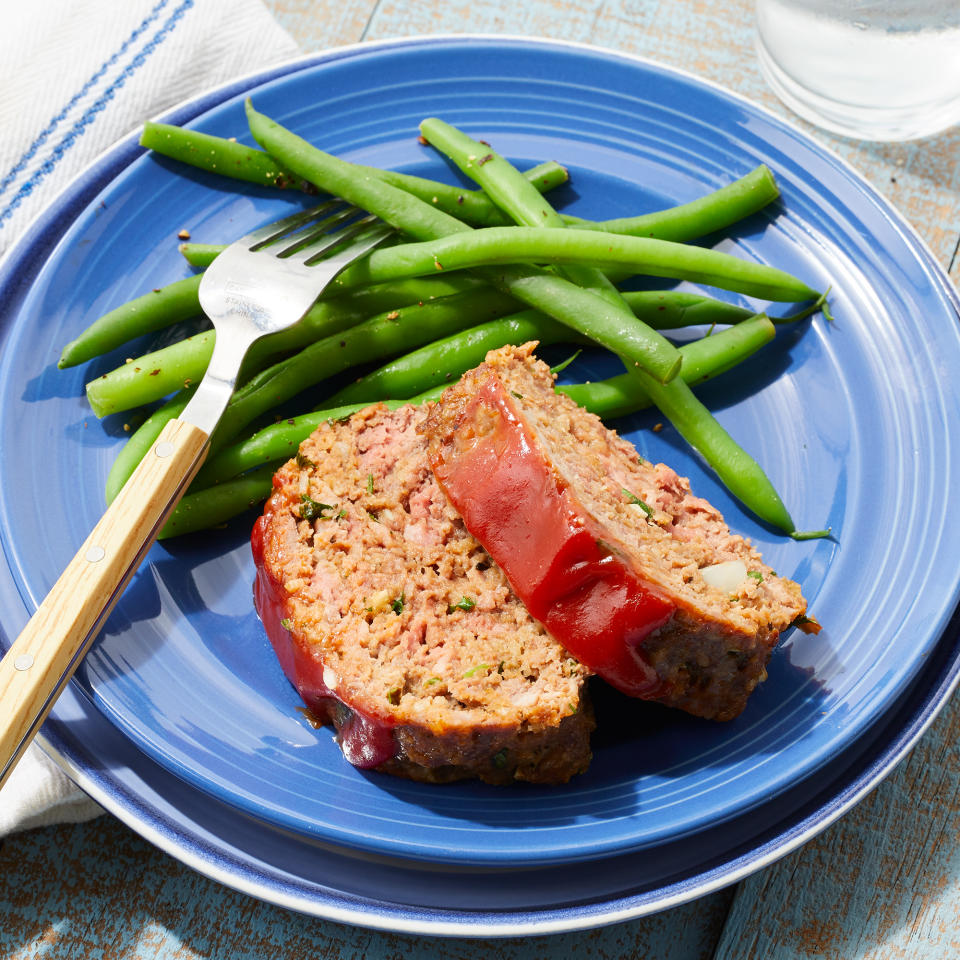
[607, 550]
[395, 625]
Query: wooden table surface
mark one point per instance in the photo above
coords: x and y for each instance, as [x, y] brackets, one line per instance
[882, 883]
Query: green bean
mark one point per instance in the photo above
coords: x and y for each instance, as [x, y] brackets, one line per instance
[705, 215]
[703, 359]
[555, 296]
[147, 378]
[201, 254]
[818, 306]
[280, 441]
[134, 450]
[660, 309]
[673, 309]
[375, 339]
[153, 311]
[514, 195]
[150, 377]
[470, 206]
[443, 360]
[499, 178]
[438, 362]
[232, 159]
[219, 155]
[212, 506]
[502, 246]
[740, 473]
[342, 179]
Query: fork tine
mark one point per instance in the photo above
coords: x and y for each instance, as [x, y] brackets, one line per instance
[356, 246]
[322, 241]
[313, 232]
[272, 232]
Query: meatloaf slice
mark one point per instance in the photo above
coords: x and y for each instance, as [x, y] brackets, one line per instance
[396, 627]
[638, 578]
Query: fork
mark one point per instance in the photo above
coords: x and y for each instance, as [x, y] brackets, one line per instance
[261, 284]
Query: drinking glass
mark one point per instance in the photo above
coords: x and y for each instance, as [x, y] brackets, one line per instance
[869, 69]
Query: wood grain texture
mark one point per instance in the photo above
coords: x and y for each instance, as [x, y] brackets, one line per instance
[883, 883]
[99, 890]
[321, 24]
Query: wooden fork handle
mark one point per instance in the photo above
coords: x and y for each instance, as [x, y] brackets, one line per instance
[44, 656]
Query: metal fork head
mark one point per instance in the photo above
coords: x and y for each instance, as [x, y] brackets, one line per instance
[267, 280]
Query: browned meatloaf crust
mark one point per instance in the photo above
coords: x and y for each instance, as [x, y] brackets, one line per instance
[395, 625]
[713, 647]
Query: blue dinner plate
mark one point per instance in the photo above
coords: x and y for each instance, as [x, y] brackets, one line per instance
[856, 422]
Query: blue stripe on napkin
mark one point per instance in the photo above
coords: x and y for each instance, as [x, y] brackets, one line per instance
[80, 125]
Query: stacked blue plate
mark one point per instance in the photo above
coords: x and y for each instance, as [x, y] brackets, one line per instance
[180, 721]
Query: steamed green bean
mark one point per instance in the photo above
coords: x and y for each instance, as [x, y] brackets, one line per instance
[559, 273]
[690, 221]
[420, 221]
[232, 159]
[703, 359]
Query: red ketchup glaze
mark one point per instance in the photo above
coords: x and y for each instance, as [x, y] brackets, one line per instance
[365, 741]
[587, 596]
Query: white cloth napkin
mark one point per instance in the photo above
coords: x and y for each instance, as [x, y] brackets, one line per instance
[75, 77]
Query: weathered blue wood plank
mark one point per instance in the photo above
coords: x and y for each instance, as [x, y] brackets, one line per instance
[883, 883]
[99, 890]
[322, 24]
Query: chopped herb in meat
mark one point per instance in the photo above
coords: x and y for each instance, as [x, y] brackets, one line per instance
[464, 603]
[632, 498]
[311, 509]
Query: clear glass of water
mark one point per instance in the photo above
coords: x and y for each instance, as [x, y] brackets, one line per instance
[869, 69]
